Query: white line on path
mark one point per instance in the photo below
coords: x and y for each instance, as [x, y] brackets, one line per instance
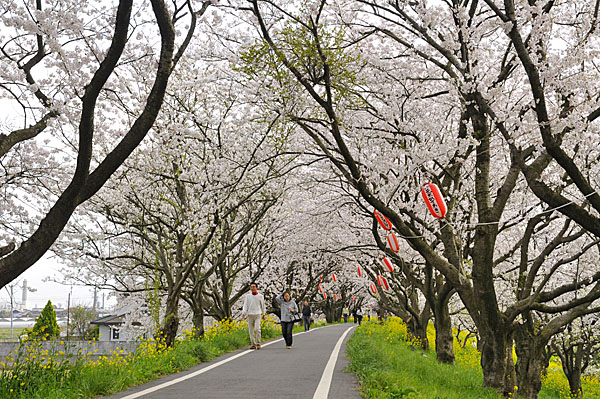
[322, 391]
[204, 370]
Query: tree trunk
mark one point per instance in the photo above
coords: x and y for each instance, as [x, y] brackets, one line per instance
[227, 314]
[529, 374]
[329, 312]
[197, 305]
[443, 334]
[489, 320]
[575, 384]
[488, 317]
[493, 358]
[418, 331]
[170, 324]
[381, 314]
[572, 364]
[198, 322]
[531, 362]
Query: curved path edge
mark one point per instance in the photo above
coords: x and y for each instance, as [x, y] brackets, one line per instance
[313, 369]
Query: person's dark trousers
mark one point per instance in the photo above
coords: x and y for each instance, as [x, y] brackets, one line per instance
[359, 319]
[286, 331]
[345, 318]
[354, 318]
[306, 320]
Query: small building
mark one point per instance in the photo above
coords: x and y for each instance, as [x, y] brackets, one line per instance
[110, 327]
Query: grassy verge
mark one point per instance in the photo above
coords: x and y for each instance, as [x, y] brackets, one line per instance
[389, 367]
[5, 332]
[41, 374]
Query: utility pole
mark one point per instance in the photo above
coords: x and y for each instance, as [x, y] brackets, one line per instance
[11, 313]
[95, 299]
[68, 310]
[11, 294]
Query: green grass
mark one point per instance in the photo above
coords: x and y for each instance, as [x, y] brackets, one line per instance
[389, 368]
[5, 333]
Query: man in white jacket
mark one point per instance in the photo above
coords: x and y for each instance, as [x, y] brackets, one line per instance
[254, 308]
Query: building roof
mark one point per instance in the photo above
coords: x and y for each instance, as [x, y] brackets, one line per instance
[114, 319]
[109, 320]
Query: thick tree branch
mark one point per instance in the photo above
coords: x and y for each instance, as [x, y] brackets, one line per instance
[7, 142]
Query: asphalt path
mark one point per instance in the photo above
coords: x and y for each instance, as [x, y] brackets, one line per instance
[312, 369]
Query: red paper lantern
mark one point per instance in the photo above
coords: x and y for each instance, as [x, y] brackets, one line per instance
[388, 265]
[393, 242]
[353, 298]
[373, 288]
[382, 282]
[321, 278]
[383, 221]
[335, 297]
[320, 289]
[359, 271]
[434, 200]
[334, 277]
[324, 295]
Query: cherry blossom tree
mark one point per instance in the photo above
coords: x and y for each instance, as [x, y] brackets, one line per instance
[60, 61]
[240, 254]
[577, 347]
[184, 218]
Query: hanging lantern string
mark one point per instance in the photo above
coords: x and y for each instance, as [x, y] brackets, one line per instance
[521, 135]
[541, 213]
[492, 223]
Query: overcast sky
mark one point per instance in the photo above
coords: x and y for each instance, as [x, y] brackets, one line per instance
[57, 293]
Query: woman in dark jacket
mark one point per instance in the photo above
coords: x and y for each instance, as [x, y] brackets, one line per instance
[306, 313]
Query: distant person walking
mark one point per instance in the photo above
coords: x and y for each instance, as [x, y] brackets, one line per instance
[359, 315]
[254, 308]
[345, 313]
[289, 310]
[354, 315]
[306, 313]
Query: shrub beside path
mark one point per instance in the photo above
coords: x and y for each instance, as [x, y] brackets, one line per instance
[271, 372]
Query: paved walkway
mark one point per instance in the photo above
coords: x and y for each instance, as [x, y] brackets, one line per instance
[312, 369]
